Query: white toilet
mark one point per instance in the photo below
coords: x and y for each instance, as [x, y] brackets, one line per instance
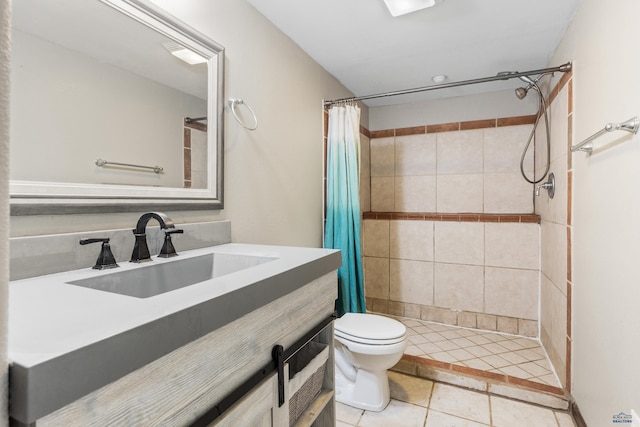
[366, 345]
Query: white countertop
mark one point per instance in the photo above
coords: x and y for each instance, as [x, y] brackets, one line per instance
[49, 319]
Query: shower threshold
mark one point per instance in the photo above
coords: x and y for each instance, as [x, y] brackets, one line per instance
[508, 365]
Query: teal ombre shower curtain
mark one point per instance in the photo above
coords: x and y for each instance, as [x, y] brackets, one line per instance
[342, 227]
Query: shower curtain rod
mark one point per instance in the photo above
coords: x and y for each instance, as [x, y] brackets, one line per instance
[565, 68]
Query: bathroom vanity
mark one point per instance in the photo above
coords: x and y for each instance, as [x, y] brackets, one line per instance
[83, 351]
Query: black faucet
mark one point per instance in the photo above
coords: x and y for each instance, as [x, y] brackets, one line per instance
[140, 248]
[106, 258]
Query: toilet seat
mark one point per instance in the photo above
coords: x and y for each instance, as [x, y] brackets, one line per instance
[369, 329]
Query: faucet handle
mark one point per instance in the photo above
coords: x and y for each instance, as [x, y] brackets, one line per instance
[168, 250]
[106, 258]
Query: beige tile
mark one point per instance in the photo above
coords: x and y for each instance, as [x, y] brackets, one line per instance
[508, 325]
[488, 322]
[365, 174]
[396, 414]
[461, 354]
[541, 150]
[416, 155]
[554, 323]
[411, 281]
[462, 342]
[439, 419]
[534, 369]
[503, 148]
[365, 194]
[557, 207]
[511, 292]
[382, 194]
[460, 152]
[443, 356]
[510, 413]
[376, 277]
[448, 377]
[450, 237]
[528, 328]
[478, 364]
[437, 314]
[461, 403]
[507, 193]
[512, 358]
[415, 193]
[515, 371]
[365, 155]
[348, 414]
[459, 193]
[459, 287]
[412, 310]
[376, 238]
[528, 396]
[467, 320]
[478, 351]
[559, 129]
[411, 240]
[382, 157]
[496, 361]
[553, 254]
[513, 245]
[410, 389]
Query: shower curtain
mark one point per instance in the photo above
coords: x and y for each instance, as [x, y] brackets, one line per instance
[342, 226]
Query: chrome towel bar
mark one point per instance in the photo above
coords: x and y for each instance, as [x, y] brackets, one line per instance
[630, 125]
[156, 169]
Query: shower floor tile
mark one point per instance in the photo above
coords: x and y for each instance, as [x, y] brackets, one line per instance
[495, 352]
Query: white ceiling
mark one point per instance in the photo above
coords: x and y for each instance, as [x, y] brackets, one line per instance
[370, 52]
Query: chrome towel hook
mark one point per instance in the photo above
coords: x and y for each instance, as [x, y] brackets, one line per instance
[233, 103]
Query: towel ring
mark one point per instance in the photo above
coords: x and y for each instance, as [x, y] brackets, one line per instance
[233, 103]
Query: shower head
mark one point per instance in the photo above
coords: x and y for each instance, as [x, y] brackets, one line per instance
[521, 92]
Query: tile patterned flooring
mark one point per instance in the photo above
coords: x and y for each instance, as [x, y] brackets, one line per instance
[418, 402]
[488, 351]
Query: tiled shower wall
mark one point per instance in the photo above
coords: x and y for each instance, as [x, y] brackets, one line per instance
[556, 285]
[451, 235]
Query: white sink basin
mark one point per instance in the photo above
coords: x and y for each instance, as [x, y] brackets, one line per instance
[158, 278]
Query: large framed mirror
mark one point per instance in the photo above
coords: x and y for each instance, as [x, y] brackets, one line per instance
[115, 106]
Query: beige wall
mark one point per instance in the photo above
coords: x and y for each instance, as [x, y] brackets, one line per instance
[4, 204]
[273, 176]
[602, 41]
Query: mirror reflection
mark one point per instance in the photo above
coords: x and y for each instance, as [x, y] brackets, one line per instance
[100, 98]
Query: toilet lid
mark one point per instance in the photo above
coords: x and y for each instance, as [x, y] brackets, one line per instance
[369, 328]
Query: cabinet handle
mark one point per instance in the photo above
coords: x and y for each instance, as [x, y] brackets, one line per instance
[278, 357]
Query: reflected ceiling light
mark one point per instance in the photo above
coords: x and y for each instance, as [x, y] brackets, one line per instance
[402, 7]
[187, 55]
[439, 78]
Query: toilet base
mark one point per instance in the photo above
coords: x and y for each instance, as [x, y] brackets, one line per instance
[369, 391]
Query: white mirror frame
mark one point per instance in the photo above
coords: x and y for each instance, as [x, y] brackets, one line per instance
[39, 197]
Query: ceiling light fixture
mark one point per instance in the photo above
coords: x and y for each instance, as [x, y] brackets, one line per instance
[187, 55]
[439, 78]
[402, 7]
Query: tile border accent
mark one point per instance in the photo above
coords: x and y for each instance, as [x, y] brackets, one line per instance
[466, 319]
[450, 127]
[453, 217]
